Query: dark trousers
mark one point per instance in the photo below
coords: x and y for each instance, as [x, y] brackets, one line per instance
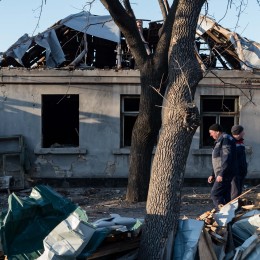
[237, 186]
[220, 192]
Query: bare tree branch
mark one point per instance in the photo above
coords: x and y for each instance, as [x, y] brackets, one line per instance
[126, 21]
[250, 99]
[39, 17]
[128, 8]
[166, 32]
[166, 5]
[164, 8]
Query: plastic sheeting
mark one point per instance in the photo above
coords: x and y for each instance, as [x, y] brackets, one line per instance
[106, 226]
[245, 228]
[187, 238]
[226, 213]
[116, 219]
[68, 239]
[251, 243]
[29, 220]
[75, 238]
[47, 226]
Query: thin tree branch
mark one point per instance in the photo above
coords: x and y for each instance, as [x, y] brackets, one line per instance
[128, 8]
[126, 21]
[39, 17]
[234, 85]
[164, 6]
[166, 33]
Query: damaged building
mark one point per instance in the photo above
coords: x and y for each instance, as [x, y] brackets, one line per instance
[70, 97]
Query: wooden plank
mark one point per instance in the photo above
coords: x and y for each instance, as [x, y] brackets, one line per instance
[115, 247]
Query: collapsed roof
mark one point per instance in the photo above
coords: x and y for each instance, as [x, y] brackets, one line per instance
[64, 42]
[230, 49]
[89, 41]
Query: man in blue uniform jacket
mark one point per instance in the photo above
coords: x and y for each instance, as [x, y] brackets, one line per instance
[224, 165]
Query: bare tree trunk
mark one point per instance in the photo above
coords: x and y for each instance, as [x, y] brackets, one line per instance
[145, 133]
[179, 122]
[153, 68]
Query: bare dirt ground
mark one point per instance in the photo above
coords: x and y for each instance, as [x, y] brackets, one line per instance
[101, 202]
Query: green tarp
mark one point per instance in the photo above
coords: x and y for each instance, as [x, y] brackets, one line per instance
[29, 220]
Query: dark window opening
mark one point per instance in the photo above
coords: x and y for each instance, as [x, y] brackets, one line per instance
[221, 110]
[218, 105]
[129, 113]
[60, 121]
[131, 104]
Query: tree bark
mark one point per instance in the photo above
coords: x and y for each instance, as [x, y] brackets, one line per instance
[153, 71]
[145, 132]
[180, 119]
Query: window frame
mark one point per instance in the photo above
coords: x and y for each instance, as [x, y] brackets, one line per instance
[123, 115]
[48, 101]
[218, 114]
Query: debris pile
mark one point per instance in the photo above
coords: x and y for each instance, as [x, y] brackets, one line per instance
[234, 231]
[46, 225]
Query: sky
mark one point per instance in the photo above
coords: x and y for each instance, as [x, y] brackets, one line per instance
[18, 17]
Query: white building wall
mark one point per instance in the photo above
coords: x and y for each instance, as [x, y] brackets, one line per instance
[99, 154]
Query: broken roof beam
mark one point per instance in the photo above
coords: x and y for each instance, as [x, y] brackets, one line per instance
[108, 249]
[223, 63]
[224, 50]
[213, 37]
[78, 58]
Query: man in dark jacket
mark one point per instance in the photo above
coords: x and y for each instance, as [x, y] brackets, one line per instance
[224, 165]
[241, 172]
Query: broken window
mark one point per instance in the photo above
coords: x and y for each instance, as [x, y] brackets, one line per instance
[129, 113]
[60, 121]
[217, 109]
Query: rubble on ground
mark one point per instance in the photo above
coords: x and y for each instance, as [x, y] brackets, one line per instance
[233, 232]
[46, 225]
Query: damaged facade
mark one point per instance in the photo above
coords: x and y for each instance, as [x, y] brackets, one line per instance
[63, 91]
[77, 124]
